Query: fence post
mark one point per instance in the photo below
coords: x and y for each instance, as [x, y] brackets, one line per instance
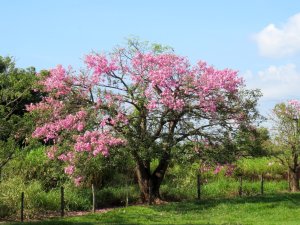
[22, 207]
[199, 186]
[262, 184]
[94, 198]
[127, 193]
[241, 185]
[62, 201]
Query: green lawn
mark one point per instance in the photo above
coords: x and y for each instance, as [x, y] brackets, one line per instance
[271, 209]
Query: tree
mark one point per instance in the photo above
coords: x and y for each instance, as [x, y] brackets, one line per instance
[17, 89]
[254, 142]
[286, 141]
[150, 100]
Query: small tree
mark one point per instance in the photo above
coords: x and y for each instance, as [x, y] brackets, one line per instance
[17, 89]
[150, 100]
[287, 142]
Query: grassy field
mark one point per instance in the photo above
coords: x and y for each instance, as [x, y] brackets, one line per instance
[270, 209]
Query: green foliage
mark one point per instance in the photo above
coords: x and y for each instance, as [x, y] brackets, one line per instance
[37, 201]
[11, 196]
[253, 142]
[286, 139]
[181, 181]
[180, 175]
[17, 89]
[258, 166]
[116, 196]
[77, 198]
[35, 165]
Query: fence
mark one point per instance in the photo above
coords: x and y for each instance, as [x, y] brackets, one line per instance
[199, 191]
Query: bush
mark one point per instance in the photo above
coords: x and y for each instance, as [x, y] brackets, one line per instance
[116, 196]
[4, 210]
[36, 200]
[11, 196]
[182, 184]
[256, 166]
[77, 198]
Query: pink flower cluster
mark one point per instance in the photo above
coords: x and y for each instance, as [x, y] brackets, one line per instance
[69, 169]
[47, 104]
[229, 169]
[218, 169]
[295, 104]
[205, 168]
[78, 180]
[59, 81]
[70, 122]
[170, 81]
[67, 157]
[96, 142]
[211, 84]
[100, 65]
[51, 152]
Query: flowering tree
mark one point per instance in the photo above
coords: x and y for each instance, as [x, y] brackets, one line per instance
[287, 140]
[147, 100]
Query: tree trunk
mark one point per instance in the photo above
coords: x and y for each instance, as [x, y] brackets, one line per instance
[294, 180]
[143, 181]
[150, 183]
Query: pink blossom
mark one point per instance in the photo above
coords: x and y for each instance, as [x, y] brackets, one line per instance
[96, 142]
[69, 169]
[63, 157]
[80, 126]
[295, 104]
[59, 80]
[218, 169]
[51, 152]
[78, 181]
[229, 170]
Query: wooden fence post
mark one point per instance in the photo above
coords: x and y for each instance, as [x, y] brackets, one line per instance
[199, 186]
[22, 207]
[241, 186]
[262, 184]
[127, 193]
[62, 201]
[94, 198]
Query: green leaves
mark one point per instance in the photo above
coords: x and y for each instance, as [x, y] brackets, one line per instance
[17, 89]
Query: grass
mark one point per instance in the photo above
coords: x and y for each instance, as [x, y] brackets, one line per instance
[222, 188]
[270, 209]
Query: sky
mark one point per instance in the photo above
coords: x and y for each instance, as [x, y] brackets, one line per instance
[259, 38]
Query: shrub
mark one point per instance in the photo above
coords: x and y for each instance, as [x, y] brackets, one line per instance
[256, 166]
[116, 196]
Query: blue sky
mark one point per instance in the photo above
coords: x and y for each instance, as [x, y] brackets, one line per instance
[260, 38]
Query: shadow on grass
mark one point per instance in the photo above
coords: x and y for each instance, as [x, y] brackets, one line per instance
[291, 200]
[50, 222]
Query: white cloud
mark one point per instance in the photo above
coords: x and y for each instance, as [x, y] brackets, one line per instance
[280, 41]
[276, 82]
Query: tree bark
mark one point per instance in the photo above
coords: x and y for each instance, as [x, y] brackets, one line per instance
[294, 180]
[143, 175]
[150, 183]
